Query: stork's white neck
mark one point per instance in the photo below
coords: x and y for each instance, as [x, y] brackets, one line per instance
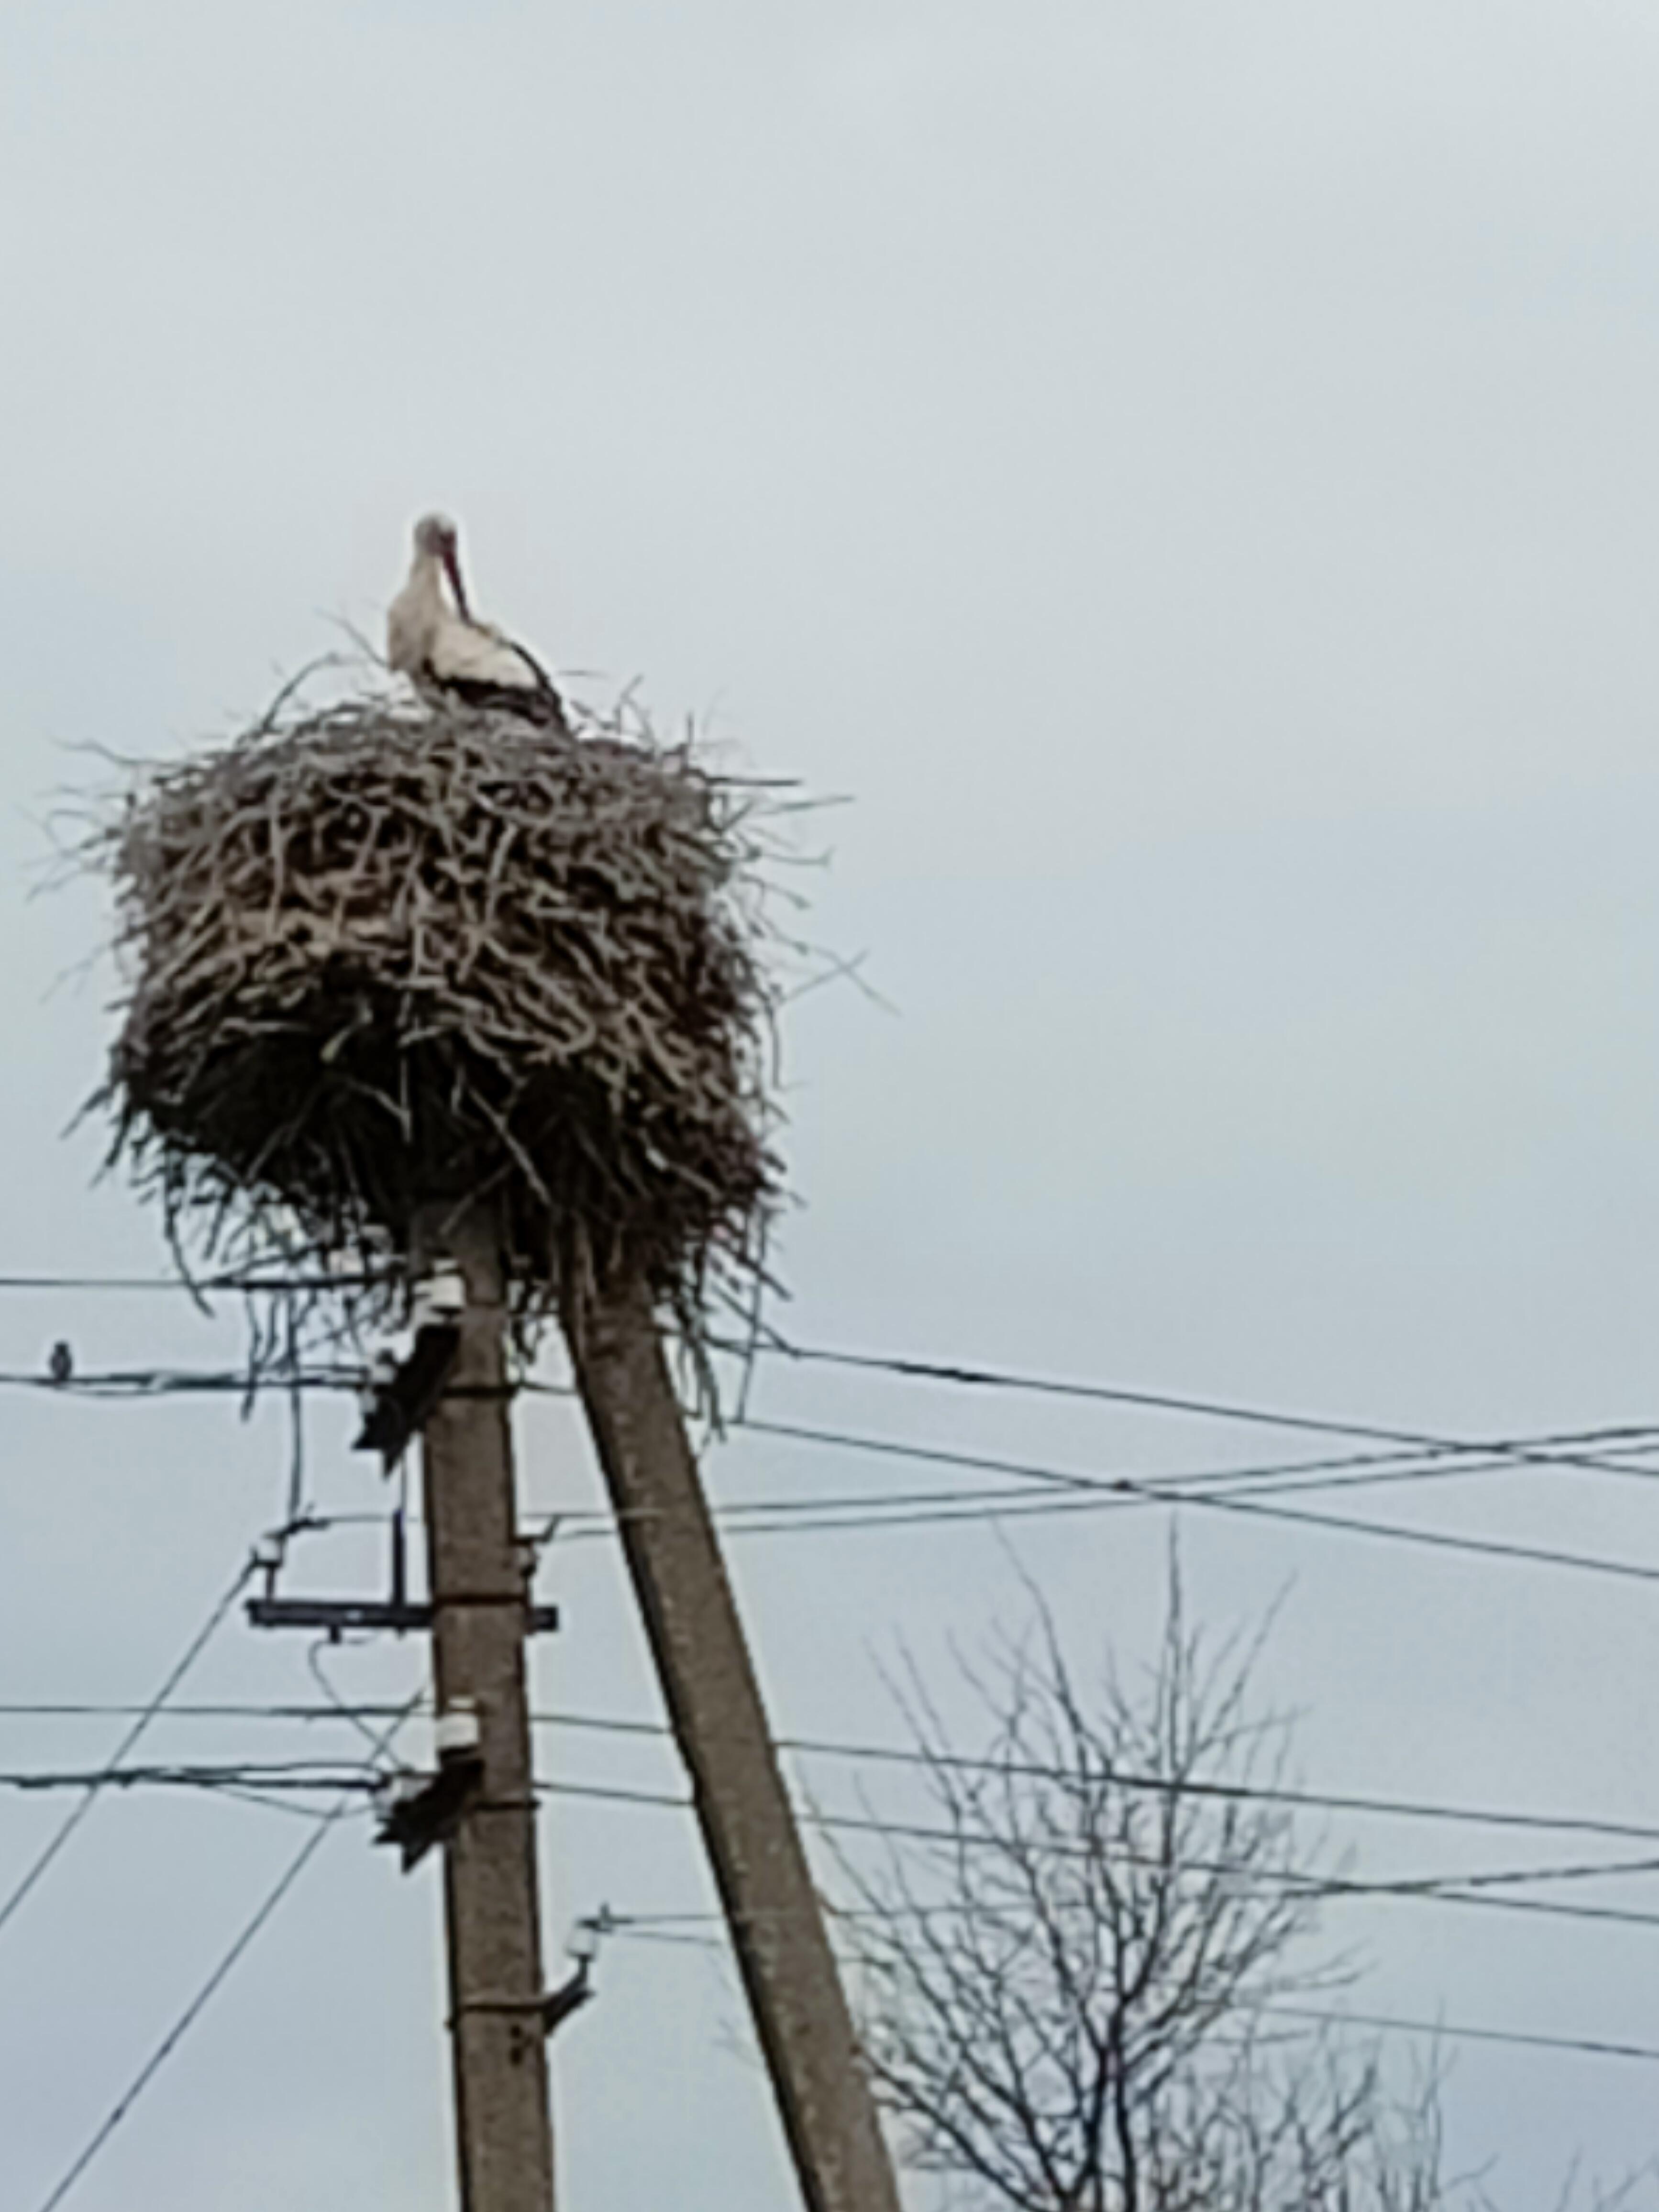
[417, 614]
[425, 590]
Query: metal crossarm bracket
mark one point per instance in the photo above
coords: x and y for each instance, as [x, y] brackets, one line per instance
[336, 1615]
[552, 2009]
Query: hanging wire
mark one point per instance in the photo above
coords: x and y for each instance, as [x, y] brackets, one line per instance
[192, 2011]
[187, 1659]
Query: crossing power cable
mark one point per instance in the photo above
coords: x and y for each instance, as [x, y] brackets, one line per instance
[1481, 1889]
[127, 1383]
[1589, 2046]
[1438, 1455]
[1621, 1445]
[1090, 1492]
[1009, 1379]
[675, 1928]
[95, 1784]
[1369, 1805]
[222, 1284]
[210, 1987]
[783, 1516]
[1098, 1488]
[232, 1776]
[960, 1374]
[1227, 1792]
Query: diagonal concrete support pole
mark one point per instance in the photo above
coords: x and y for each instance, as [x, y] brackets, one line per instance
[776, 1924]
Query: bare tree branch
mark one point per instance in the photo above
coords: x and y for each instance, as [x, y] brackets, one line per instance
[1067, 1983]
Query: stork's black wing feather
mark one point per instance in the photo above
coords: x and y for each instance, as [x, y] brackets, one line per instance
[542, 706]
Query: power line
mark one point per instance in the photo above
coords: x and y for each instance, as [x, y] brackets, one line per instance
[1542, 1450]
[1448, 1457]
[830, 1516]
[292, 1775]
[1479, 1889]
[1519, 1450]
[1459, 1888]
[182, 1382]
[1246, 1793]
[1468, 1890]
[188, 2017]
[865, 1510]
[1444, 1455]
[962, 1374]
[808, 1517]
[1589, 2046]
[1626, 1457]
[996, 1378]
[1136, 1487]
[229, 1711]
[665, 1927]
[1229, 1792]
[193, 1286]
[94, 1783]
[204, 1996]
[1370, 1805]
[1273, 1477]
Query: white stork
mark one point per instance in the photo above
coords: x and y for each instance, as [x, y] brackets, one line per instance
[448, 656]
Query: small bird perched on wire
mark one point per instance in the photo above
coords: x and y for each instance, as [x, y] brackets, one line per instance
[449, 657]
[60, 1364]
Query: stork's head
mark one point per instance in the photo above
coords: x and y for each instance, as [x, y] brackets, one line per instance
[435, 534]
[437, 539]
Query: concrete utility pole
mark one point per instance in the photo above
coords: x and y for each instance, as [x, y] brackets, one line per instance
[503, 2123]
[713, 1700]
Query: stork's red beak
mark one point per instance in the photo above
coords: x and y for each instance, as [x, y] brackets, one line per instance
[452, 570]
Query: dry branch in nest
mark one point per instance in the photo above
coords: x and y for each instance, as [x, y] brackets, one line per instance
[384, 960]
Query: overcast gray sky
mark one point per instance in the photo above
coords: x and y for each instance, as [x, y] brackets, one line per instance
[1189, 473]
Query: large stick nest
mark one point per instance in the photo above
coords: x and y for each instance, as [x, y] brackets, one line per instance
[385, 961]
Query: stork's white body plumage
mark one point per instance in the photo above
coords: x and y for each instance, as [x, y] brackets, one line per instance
[448, 656]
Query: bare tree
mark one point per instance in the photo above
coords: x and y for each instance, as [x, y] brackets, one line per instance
[1069, 1968]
